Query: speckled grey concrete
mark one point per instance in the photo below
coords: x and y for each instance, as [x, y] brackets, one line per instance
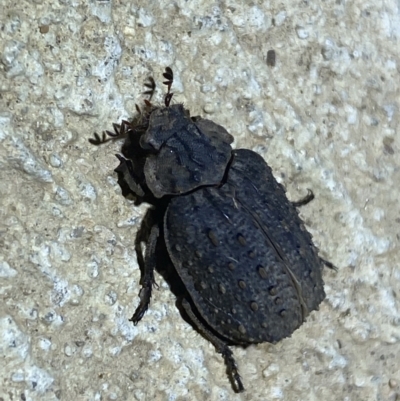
[325, 117]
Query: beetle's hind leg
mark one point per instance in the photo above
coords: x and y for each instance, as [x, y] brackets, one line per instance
[148, 275]
[219, 345]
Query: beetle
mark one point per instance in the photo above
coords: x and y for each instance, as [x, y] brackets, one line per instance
[249, 270]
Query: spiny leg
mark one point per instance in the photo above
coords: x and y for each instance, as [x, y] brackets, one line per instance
[148, 275]
[307, 199]
[219, 345]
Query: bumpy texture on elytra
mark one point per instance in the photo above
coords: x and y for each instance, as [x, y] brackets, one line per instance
[249, 268]
[243, 254]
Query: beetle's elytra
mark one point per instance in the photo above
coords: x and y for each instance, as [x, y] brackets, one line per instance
[249, 268]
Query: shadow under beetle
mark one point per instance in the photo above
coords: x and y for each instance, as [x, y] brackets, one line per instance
[247, 266]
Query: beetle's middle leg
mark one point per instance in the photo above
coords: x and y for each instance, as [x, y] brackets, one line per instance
[148, 275]
[304, 201]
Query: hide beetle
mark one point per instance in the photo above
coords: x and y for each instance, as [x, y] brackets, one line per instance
[248, 267]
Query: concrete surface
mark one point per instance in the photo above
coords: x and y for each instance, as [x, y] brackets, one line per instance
[325, 117]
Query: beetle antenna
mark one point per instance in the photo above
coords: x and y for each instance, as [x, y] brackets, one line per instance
[151, 87]
[169, 76]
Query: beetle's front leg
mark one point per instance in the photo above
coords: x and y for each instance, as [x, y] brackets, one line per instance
[148, 275]
[126, 169]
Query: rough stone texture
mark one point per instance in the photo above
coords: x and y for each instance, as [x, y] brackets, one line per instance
[325, 117]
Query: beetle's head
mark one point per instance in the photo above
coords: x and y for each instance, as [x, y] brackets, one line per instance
[168, 152]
